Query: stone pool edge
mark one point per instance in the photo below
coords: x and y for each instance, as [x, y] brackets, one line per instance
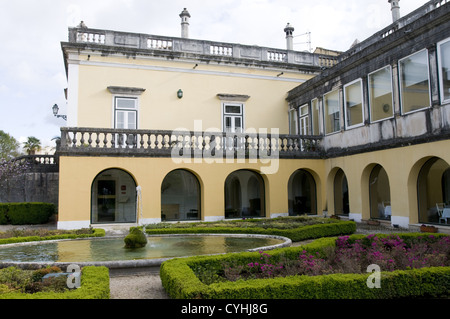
[138, 263]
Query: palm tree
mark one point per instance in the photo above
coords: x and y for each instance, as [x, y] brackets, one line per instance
[32, 146]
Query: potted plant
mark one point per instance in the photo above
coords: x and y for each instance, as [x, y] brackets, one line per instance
[428, 229]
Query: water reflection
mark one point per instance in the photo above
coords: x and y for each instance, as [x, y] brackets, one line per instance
[113, 249]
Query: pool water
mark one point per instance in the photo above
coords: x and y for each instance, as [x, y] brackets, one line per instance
[89, 250]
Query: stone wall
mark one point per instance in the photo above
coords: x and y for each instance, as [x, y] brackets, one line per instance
[39, 183]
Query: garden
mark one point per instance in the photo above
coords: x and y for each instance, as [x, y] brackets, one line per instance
[410, 266]
[17, 283]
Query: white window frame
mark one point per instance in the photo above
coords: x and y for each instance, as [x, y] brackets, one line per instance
[293, 117]
[400, 83]
[362, 104]
[441, 77]
[325, 111]
[313, 120]
[116, 108]
[303, 119]
[225, 114]
[392, 94]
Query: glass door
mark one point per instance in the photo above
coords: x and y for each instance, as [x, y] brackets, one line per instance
[106, 200]
[233, 123]
[125, 118]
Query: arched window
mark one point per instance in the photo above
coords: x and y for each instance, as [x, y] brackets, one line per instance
[113, 198]
[180, 196]
[433, 192]
[302, 194]
[341, 199]
[244, 195]
[380, 194]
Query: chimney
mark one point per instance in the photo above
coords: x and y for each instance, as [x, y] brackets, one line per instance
[395, 8]
[289, 37]
[184, 15]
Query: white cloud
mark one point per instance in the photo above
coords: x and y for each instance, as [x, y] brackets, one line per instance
[32, 74]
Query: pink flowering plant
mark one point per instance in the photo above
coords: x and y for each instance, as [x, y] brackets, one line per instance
[348, 256]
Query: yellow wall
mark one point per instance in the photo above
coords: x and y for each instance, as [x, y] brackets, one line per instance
[78, 173]
[159, 106]
[402, 166]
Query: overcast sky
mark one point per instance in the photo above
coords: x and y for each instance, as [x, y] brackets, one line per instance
[32, 74]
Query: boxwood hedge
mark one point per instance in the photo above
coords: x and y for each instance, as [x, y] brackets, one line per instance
[94, 285]
[26, 213]
[179, 280]
[295, 234]
[97, 232]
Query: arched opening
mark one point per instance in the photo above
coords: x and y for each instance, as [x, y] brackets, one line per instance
[380, 194]
[244, 195]
[113, 198]
[433, 192]
[302, 194]
[180, 196]
[341, 198]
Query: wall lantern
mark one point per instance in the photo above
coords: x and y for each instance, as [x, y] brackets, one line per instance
[55, 110]
[180, 94]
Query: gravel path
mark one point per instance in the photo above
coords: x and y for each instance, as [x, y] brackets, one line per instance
[136, 286]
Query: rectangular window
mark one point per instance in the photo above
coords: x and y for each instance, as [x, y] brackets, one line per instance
[444, 69]
[293, 120]
[380, 94]
[233, 118]
[414, 82]
[331, 107]
[354, 106]
[125, 113]
[315, 117]
[304, 120]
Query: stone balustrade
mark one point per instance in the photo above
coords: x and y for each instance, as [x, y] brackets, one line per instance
[218, 50]
[39, 163]
[159, 143]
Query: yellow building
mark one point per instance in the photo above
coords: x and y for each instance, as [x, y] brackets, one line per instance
[174, 129]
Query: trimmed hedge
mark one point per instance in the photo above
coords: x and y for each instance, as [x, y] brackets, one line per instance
[26, 213]
[97, 233]
[94, 285]
[296, 234]
[180, 282]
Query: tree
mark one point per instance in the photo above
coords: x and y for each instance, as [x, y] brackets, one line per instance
[32, 146]
[9, 146]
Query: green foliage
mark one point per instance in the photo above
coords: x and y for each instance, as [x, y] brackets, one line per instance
[71, 235]
[180, 281]
[26, 213]
[3, 214]
[9, 146]
[94, 285]
[135, 239]
[288, 227]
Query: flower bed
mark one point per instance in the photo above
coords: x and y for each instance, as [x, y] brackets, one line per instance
[348, 256]
[412, 265]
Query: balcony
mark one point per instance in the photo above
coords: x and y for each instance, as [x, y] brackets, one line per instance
[83, 37]
[186, 144]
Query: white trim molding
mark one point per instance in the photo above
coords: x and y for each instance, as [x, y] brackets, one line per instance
[77, 224]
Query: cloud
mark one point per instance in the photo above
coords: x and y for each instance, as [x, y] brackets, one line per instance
[32, 74]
